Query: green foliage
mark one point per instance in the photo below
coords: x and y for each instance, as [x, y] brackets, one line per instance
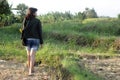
[4, 7]
[7, 20]
[6, 16]
[80, 16]
[5, 13]
[56, 17]
[21, 10]
[59, 16]
[90, 13]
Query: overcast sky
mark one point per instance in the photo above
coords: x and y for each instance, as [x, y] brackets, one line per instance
[102, 7]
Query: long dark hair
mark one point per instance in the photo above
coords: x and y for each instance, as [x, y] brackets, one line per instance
[31, 14]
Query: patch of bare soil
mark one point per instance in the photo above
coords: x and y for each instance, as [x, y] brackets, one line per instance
[17, 71]
[106, 68]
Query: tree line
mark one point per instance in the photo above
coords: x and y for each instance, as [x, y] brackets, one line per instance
[60, 16]
[7, 17]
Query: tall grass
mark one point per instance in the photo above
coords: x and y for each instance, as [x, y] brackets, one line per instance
[99, 33]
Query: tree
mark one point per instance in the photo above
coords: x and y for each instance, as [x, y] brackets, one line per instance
[5, 11]
[68, 15]
[80, 15]
[21, 10]
[90, 13]
[4, 7]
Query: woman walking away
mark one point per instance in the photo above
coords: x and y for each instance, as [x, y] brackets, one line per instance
[31, 37]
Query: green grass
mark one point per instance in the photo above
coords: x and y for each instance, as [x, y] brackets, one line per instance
[63, 42]
[10, 46]
[71, 65]
[99, 33]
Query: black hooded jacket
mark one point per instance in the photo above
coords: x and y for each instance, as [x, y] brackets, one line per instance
[32, 28]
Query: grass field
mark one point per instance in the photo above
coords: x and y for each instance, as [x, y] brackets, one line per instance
[63, 42]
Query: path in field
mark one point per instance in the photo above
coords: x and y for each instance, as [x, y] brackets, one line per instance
[107, 68]
[17, 71]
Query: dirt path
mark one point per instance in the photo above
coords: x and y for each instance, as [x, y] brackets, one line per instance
[107, 68]
[17, 71]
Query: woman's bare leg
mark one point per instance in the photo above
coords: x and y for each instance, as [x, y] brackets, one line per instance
[28, 58]
[32, 61]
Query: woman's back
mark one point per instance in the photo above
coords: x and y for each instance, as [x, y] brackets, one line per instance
[33, 29]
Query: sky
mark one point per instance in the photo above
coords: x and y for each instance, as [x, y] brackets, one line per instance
[102, 7]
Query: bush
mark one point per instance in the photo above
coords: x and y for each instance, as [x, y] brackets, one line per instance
[6, 20]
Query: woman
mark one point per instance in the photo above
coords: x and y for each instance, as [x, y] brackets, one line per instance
[32, 33]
